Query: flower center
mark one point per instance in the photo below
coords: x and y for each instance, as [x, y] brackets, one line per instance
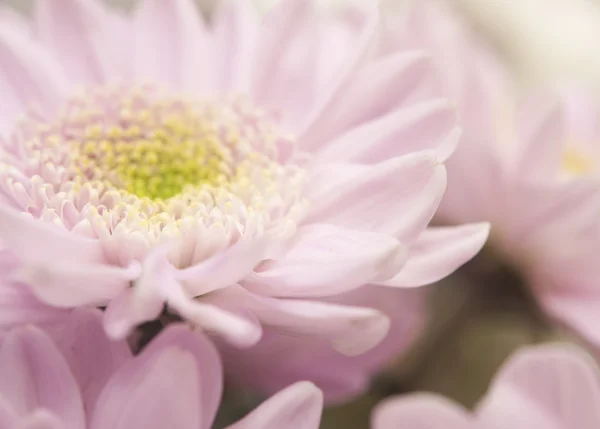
[575, 162]
[118, 160]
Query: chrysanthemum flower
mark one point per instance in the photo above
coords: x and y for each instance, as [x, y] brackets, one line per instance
[229, 171]
[80, 379]
[526, 163]
[548, 386]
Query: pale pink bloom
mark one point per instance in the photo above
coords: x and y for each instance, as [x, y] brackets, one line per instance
[231, 172]
[549, 386]
[76, 378]
[526, 163]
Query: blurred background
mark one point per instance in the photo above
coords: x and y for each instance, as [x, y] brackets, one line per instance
[480, 314]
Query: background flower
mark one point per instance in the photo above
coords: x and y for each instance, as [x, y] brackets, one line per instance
[544, 386]
[63, 380]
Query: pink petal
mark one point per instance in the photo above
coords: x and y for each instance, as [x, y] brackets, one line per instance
[62, 269]
[8, 415]
[37, 241]
[286, 73]
[351, 330]
[325, 260]
[91, 356]
[28, 75]
[549, 386]
[77, 285]
[374, 91]
[438, 252]
[297, 407]
[171, 45]
[236, 328]
[363, 196]
[18, 306]
[41, 419]
[550, 209]
[541, 129]
[420, 411]
[428, 125]
[80, 33]
[236, 26]
[175, 382]
[33, 374]
[9, 17]
[226, 267]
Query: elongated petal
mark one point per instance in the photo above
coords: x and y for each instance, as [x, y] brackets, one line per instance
[376, 90]
[544, 386]
[351, 330]
[297, 407]
[91, 355]
[541, 132]
[224, 268]
[397, 197]
[236, 27]
[420, 411]
[326, 260]
[175, 381]
[579, 310]
[171, 45]
[34, 374]
[428, 125]
[28, 75]
[232, 326]
[81, 34]
[438, 252]
[41, 419]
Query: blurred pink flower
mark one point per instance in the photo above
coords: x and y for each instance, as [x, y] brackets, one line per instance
[261, 166]
[550, 386]
[526, 163]
[87, 381]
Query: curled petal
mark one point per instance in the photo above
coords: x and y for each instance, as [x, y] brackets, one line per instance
[34, 374]
[544, 386]
[420, 411]
[296, 407]
[438, 252]
[325, 260]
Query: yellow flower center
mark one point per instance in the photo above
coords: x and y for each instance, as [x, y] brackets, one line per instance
[576, 163]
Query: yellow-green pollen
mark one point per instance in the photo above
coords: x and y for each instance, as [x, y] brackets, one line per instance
[576, 162]
[154, 151]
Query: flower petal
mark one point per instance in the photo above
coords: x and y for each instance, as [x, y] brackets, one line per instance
[174, 382]
[236, 27]
[325, 260]
[175, 54]
[427, 125]
[438, 252]
[235, 328]
[374, 91]
[33, 374]
[81, 35]
[225, 268]
[296, 407]
[541, 132]
[351, 330]
[91, 355]
[41, 419]
[544, 386]
[396, 197]
[27, 75]
[420, 411]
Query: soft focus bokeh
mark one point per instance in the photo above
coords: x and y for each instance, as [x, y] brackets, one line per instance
[482, 313]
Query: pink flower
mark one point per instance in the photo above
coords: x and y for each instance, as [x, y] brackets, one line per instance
[550, 386]
[526, 163]
[232, 172]
[86, 381]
